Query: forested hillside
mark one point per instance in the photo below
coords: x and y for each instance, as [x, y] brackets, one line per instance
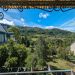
[51, 32]
[36, 48]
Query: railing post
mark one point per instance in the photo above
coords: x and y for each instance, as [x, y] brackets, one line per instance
[72, 72]
[61, 73]
[56, 73]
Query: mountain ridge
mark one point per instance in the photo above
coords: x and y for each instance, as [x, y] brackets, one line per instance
[51, 32]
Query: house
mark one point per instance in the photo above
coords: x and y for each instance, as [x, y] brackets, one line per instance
[4, 34]
[72, 47]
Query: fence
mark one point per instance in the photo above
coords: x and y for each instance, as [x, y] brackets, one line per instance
[51, 72]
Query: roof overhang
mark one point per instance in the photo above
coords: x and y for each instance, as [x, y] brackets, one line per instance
[36, 3]
[10, 33]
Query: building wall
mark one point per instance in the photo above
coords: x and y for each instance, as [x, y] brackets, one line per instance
[3, 38]
[72, 48]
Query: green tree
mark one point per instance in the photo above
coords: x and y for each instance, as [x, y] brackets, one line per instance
[16, 32]
[41, 52]
[11, 62]
[17, 50]
[31, 61]
[21, 53]
[51, 51]
[3, 54]
[25, 41]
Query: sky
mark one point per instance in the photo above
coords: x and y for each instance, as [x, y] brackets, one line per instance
[40, 18]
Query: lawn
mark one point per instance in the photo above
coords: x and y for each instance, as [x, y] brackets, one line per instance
[61, 64]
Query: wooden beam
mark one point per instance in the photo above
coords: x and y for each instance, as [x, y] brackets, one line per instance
[36, 3]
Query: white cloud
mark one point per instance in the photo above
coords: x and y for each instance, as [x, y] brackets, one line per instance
[43, 15]
[25, 24]
[69, 25]
[50, 27]
[34, 25]
[72, 29]
[5, 21]
[12, 21]
[13, 11]
[8, 19]
[20, 22]
[22, 19]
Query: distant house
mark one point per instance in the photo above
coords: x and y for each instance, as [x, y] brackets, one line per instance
[72, 48]
[4, 34]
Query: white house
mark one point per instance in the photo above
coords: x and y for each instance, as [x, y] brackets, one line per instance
[72, 47]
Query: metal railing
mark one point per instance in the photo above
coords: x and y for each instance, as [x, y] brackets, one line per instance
[52, 72]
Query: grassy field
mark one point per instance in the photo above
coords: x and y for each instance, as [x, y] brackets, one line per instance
[61, 64]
